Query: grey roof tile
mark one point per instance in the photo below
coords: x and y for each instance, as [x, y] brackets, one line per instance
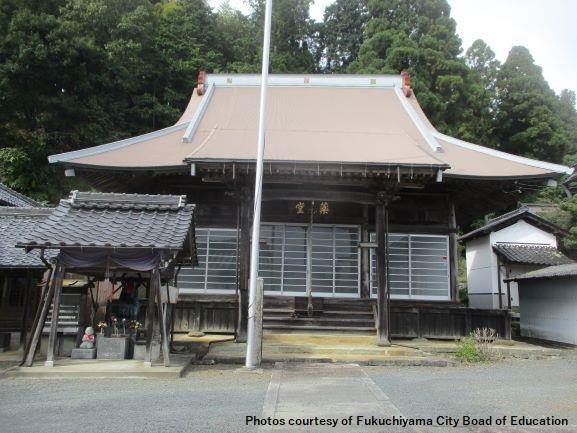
[115, 220]
[567, 270]
[9, 197]
[510, 218]
[531, 254]
[14, 221]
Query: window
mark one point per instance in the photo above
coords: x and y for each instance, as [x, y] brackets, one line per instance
[418, 267]
[217, 263]
[282, 260]
[334, 259]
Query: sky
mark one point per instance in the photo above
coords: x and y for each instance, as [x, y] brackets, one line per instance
[546, 27]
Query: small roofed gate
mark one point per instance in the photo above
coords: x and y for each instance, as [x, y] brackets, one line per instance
[104, 236]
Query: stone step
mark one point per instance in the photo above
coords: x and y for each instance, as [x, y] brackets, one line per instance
[315, 328]
[287, 312]
[319, 321]
[361, 314]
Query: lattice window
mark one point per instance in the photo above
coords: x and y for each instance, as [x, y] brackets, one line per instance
[418, 267]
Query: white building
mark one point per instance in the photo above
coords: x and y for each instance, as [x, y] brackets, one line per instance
[548, 303]
[510, 245]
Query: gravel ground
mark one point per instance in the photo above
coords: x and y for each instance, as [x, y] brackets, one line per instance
[217, 398]
[512, 387]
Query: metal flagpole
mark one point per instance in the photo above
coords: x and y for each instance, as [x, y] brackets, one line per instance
[254, 341]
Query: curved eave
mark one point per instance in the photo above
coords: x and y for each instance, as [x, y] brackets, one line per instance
[30, 247]
[111, 168]
[441, 166]
[544, 176]
[554, 169]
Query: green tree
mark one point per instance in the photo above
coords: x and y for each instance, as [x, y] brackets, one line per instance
[419, 36]
[292, 35]
[240, 42]
[568, 116]
[527, 119]
[341, 33]
[483, 91]
[84, 72]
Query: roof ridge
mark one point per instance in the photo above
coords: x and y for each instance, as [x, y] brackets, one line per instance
[12, 197]
[558, 168]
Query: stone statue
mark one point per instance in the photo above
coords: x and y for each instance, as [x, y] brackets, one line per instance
[88, 338]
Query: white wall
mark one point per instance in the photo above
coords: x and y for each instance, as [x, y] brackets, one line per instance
[479, 273]
[549, 309]
[523, 232]
[482, 278]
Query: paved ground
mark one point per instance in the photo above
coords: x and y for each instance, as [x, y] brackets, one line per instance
[217, 398]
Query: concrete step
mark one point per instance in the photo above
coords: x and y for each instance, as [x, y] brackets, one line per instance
[231, 353]
[320, 338]
[342, 350]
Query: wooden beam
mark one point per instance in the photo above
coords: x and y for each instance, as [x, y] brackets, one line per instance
[245, 203]
[318, 195]
[52, 337]
[383, 304]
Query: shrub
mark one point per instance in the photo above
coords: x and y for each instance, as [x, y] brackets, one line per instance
[477, 346]
[468, 351]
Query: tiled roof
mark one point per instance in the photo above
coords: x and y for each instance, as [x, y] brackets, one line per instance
[14, 221]
[568, 270]
[531, 254]
[120, 221]
[9, 197]
[511, 218]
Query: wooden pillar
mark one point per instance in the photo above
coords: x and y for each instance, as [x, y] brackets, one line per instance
[28, 294]
[39, 319]
[383, 298]
[245, 203]
[453, 253]
[162, 319]
[150, 313]
[365, 256]
[52, 337]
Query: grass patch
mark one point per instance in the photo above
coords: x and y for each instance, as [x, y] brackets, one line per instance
[477, 347]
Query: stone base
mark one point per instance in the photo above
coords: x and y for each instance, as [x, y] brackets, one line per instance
[140, 351]
[112, 347]
[5, 338]
[83, 353]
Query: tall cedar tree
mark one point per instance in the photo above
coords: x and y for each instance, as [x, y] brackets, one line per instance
[341, 34]
[527, 120]
[420, 36]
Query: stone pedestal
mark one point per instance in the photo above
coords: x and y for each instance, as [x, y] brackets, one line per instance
[4, 341]
[140, 351]
[83, 353]
[112, 347]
